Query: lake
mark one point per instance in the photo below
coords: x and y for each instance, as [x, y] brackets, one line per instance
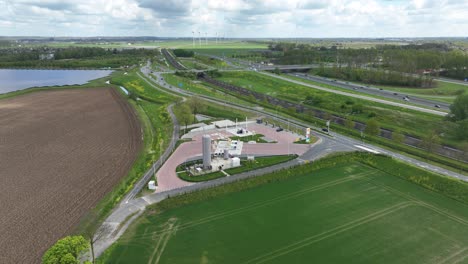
[13, 80]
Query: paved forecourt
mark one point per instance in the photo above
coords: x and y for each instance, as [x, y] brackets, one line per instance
[167, 177]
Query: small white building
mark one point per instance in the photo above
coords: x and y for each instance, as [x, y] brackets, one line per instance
[235, 162]
[152, 185]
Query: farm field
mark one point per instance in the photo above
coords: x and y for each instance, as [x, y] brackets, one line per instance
[61, 152]
[346, 212]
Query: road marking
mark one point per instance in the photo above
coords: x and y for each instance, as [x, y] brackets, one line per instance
[367, 149]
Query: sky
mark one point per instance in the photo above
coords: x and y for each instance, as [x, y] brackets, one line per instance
[235, 18]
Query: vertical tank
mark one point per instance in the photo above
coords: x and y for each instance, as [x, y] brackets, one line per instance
[206, 145]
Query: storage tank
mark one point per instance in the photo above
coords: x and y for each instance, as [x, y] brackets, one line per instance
[206, 146]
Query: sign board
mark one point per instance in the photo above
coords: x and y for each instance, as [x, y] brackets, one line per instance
[308, 134]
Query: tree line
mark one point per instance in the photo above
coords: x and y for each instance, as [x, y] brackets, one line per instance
[24, 54]
[433, 57]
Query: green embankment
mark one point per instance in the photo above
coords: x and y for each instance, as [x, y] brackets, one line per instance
[357, 203]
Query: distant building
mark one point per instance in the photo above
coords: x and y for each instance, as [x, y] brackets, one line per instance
[47, 56]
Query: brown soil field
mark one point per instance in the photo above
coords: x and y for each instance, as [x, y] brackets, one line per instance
[61, 151]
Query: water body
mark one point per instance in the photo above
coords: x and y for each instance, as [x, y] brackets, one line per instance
[13, 80]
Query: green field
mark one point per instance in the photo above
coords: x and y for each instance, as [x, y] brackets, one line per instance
[346, 212]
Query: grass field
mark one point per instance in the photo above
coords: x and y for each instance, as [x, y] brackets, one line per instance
[199, 88]
[172, 44]
[346, 213]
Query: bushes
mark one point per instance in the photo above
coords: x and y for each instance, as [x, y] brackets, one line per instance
[183, 53]
[66, 250]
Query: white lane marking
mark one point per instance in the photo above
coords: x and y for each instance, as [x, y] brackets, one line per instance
[367, 149]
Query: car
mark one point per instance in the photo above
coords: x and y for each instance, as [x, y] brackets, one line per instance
[395, 93]
[279, 129]
[380, 89]
[354, 88]
[325, 129]
[437, 106]
[406, 99]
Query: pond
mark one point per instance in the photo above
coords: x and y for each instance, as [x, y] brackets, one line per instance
[13, 80]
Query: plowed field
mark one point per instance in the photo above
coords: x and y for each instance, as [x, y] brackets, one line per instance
[60, 153]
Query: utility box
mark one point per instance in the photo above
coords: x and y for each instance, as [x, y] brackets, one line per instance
[152, 185]
[235, 162]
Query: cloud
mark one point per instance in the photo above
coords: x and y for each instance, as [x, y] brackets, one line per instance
[167, 8]
[236, 18]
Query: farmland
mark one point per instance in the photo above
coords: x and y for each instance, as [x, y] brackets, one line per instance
[62, 152]
[338, 210]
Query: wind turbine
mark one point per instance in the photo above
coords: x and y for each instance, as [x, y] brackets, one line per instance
[193, 38]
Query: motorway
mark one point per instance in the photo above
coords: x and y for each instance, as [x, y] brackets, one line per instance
[427, 106]
[364, 97]
[374, 91]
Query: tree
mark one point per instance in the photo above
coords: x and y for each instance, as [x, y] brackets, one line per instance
[372, 127]
[185, 115]
[349, 123]
[66, 251]
[277, 71]
[430, 141]
[459, 108]
[196, 105]
[460, 131]
[398, 137]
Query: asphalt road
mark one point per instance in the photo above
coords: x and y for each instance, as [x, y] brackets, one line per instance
[364, 97]
[374, 91]
[349, 143]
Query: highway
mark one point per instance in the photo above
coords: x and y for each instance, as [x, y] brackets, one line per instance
[364, 97]
[427, 106]
[373, 91]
